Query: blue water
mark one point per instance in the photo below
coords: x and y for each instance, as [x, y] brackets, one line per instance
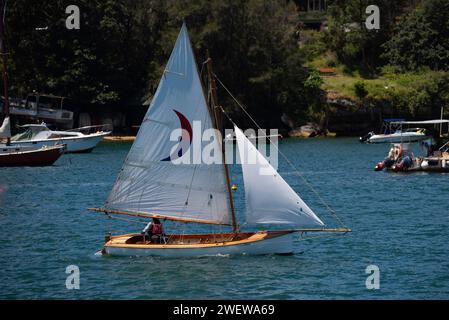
[400, 223]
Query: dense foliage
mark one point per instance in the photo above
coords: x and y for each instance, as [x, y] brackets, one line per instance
[404, 64]
[348, 36]
[106, 61]
[412, 34]
[422, 38]
[118, 54]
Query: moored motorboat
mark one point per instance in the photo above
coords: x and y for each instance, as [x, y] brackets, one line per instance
[410, 135]
[39, 135]
[12, 156]
[393, 132]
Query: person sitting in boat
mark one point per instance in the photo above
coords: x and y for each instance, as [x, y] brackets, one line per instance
[397, 152]
[154, 231]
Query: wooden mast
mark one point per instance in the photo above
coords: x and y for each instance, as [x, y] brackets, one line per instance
[5, 67]
[214, 104]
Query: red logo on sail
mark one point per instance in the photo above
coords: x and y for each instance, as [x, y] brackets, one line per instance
[185, 141]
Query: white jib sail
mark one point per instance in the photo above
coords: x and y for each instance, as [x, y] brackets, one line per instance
[5, 129]
[269, 199]
[150, 181]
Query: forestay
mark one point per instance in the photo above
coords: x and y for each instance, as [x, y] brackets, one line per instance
[269, 199]
[150, 181]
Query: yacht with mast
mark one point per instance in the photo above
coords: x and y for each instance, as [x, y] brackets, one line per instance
[155, 182]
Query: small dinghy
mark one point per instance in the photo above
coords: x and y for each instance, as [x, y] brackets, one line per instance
[18, 157]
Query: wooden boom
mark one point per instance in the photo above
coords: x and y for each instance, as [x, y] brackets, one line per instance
[186, 220]
[153, 215]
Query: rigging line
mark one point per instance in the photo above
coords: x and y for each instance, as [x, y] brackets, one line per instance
[332, 211]
[302, 238]
[196, 166]
[186, 203]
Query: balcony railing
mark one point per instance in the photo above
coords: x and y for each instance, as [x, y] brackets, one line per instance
[312, 16]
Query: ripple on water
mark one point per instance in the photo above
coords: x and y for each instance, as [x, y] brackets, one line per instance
[399, 222]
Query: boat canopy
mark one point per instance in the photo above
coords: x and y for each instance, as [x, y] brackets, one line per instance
[34, 125]
[438, 121]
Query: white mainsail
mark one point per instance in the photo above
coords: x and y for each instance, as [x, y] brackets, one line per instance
[269, 199]
[149, 181]
[5, 129]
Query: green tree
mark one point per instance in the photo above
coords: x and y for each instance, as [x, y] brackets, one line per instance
[314, 93]
[104, 62]
[421, 38]
[255, 52]
[360, 90]
[119, 53]
[348, 37]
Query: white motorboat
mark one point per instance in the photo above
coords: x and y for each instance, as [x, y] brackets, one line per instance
[430, 155]
[39, 135]
[409, 135]
[394, 131]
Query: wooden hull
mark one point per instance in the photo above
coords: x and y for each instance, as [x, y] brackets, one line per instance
[39, 157]
[255, 243]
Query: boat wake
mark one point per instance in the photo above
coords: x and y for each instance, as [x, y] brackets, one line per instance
[216, 255]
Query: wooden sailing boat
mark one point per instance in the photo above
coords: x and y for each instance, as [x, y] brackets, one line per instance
[19, 155]
[151, 185]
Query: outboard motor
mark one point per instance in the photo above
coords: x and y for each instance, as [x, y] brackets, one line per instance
[386, 163]
[380, 166]
[365, 138]
[398, 167]
[403, 165]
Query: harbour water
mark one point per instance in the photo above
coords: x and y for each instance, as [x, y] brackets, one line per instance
[400, 223]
